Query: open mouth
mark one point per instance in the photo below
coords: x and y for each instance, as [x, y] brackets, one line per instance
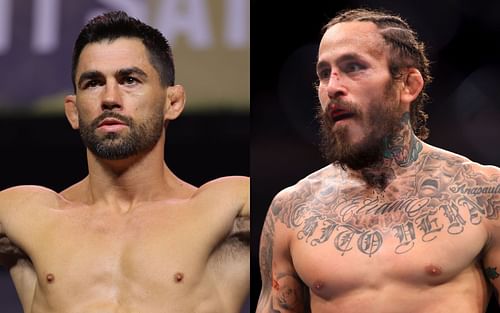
[340, 114]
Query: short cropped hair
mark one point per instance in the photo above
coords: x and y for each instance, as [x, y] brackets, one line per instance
[405, 51]
[117, 24]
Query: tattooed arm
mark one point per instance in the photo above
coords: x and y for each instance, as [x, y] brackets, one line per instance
[490, 197]
[282, 289]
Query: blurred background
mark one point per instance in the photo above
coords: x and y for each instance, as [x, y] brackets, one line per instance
[211, 46]
[463, 40]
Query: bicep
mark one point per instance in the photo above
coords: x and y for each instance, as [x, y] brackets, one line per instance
[491, 256]
[491, 259]
[282, 289]
[491, 268]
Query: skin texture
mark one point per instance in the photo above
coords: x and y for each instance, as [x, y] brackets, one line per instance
[419, 239]
[131, 236]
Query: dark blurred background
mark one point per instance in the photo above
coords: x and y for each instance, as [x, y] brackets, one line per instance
[463, 40]
[211, 46]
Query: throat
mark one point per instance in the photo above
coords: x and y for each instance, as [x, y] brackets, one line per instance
[378, 178]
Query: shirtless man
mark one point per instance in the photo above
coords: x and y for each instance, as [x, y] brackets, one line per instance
[130, 237]
[393, 224]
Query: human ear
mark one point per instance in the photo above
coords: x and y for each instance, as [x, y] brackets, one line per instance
[412, 85]
[71, 111]
[176, 98]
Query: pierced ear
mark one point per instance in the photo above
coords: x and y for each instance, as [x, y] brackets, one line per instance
[71, 111]
[412, 85]
[176, 98]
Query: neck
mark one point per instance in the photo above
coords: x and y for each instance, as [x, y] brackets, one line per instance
[123, 183]
[400, 152]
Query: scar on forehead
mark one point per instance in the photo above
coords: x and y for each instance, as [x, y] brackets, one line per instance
[50, 277]
[178, 277]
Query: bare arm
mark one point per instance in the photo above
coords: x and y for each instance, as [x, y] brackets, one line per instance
[282, 289]
[491, 260]
[9, 253]
[230, 259]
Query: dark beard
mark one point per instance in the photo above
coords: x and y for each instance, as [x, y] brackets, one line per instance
[335, 149]
[370, 151]
[141, 138]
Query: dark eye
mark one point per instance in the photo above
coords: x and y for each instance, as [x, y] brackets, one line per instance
[323, 74]
[129, 80]
[91, 83]
[353, 67]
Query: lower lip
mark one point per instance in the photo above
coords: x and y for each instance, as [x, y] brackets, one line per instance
[343, 120]
[112, 127]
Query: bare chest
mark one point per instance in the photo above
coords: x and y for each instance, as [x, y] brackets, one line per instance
[123, 258]
[344, 243]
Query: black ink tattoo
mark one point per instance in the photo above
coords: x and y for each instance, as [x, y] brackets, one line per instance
[403, 147]
[491, 273]
[266, 252]
[444, 195]
[280, 291]
[289, 292]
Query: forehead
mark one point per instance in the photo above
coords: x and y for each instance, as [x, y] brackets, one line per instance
[362, 38]
[110, 56]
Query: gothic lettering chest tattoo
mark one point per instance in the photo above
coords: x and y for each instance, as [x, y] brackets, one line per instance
[442, 197]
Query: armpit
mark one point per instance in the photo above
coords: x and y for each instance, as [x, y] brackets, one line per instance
[241, 229]
[238, 240]
[9, 253]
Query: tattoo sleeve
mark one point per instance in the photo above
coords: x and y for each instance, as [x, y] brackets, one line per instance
[266, 254]
[288, 293]
[282, 292]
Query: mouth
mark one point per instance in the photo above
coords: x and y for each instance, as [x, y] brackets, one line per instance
[340, 114]
[110, 122]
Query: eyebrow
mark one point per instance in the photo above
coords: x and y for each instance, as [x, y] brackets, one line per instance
[344, 57]
[90, 75]
[132, 70]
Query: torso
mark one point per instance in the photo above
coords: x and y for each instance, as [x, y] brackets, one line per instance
[413, 247]
[162, 256]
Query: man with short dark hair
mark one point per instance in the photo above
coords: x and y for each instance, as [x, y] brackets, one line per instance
[131, 236]
[393, 224]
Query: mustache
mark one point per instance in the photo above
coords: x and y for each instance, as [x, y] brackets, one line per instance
[109, 114]
[326, 115]
[344, 105]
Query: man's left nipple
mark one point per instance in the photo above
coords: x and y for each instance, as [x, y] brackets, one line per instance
[50, 278]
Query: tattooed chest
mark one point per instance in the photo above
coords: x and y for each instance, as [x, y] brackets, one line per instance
[367, 224]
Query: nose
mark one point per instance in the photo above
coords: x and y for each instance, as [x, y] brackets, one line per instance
[336, 87]
[111, 98]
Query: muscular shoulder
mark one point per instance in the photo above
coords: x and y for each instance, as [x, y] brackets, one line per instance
[463, 175]
[328, 176]
[21, 205]
[462, 183]
[435, 157]
[227, 184]
[316, 188]
[24, 196]
[227, 192]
